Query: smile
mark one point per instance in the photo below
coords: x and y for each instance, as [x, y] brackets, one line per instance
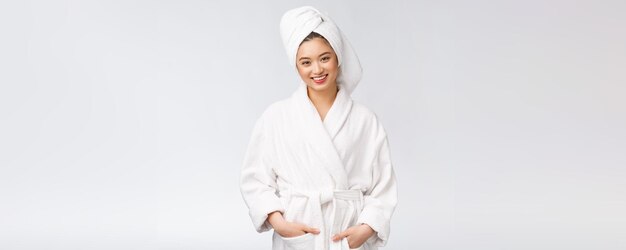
[319, 79]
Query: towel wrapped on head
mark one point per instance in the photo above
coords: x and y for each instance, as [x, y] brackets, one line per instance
[298, 23]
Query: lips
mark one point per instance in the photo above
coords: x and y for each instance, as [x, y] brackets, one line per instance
[320, 79]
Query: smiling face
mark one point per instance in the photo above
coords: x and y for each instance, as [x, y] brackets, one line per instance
[317, 65]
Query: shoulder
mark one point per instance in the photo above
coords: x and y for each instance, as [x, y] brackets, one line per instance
[363, 112]
[273, 113]
[366, 118]
[275, 109]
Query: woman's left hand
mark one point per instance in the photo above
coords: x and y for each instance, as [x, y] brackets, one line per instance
[356, 235]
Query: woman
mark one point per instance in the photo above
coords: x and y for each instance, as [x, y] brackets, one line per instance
[317, 169]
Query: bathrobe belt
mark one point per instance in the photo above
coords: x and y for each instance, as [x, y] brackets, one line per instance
[326, 195]
[315, 201]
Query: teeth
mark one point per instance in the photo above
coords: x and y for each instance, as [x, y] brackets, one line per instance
[319, 78]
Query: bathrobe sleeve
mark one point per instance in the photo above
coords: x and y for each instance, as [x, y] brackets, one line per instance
[258, 180]
[380, 200]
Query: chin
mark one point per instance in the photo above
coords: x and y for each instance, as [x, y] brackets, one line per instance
[317, 87]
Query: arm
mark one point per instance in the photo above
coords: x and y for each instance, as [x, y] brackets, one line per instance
[380, 200]
[258, 188]
[378, 204]
[258, 180]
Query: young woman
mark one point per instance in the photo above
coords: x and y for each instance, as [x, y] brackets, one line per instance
[317, 169]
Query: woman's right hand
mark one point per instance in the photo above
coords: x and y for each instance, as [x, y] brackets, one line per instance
[288, 229]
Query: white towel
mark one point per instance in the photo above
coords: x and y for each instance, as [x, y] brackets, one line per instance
[298, 23]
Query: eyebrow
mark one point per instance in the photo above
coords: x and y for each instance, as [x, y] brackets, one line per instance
[302, 58]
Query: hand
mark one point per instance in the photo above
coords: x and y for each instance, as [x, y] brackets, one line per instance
[356, 235]
[289, 229]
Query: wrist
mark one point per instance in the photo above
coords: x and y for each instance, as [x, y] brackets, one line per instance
[276, 219]
[368, 228]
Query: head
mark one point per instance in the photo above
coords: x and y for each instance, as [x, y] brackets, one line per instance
[307, 32]
[317, 63]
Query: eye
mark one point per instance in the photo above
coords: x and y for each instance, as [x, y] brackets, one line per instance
[305, 63]
[325, 59]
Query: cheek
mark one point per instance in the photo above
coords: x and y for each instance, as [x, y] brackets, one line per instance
[332, 67]
[302, 72]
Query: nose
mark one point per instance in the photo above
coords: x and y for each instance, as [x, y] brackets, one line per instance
[317, 68]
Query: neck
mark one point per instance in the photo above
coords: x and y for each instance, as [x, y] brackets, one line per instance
[322, 98]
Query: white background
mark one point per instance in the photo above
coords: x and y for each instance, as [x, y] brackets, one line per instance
[123, 124]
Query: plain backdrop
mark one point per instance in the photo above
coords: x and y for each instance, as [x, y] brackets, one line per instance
[123, 124]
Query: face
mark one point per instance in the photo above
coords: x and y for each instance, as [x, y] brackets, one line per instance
[317, 65]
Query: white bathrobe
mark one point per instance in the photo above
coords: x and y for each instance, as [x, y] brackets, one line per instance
[330, 174]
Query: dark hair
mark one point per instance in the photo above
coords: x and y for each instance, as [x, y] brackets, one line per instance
[313, 35]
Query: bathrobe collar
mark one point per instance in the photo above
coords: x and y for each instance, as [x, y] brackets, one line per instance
[320, 134]
[337, 114]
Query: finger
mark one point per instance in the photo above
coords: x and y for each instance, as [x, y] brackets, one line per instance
[311, 230]
[341, 235]
[307, 229]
